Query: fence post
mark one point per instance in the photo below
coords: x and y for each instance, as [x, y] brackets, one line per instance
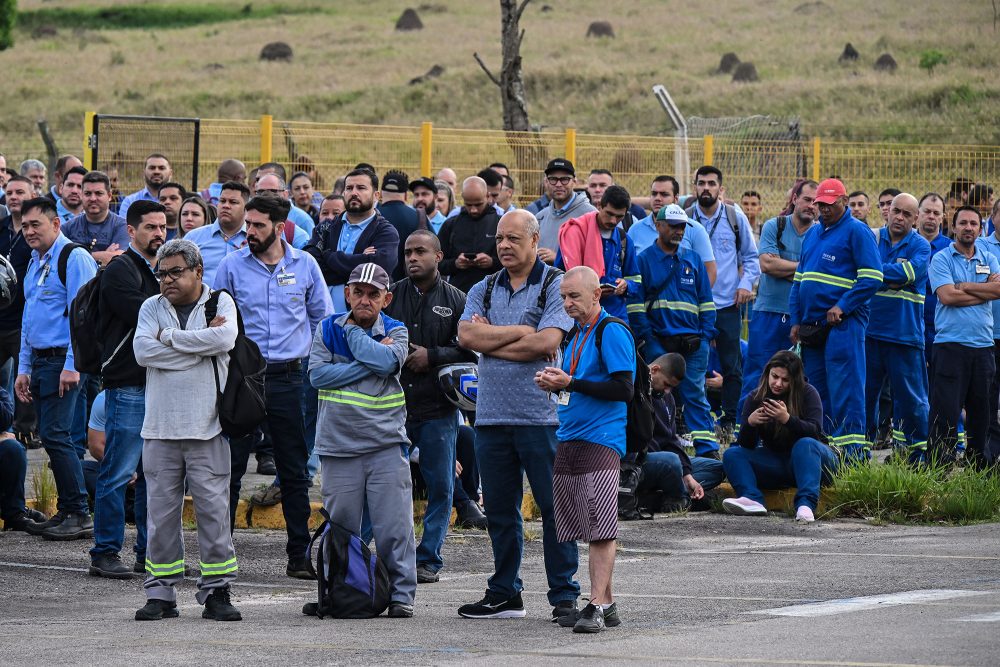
[266, 135]
[709, 148]
[88, 140]
[426, 140]
[815, 174]
[571, 144]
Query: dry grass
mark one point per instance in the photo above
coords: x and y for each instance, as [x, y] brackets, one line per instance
[350, 66]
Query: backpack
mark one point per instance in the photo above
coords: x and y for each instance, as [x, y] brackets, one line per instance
[639, 419]
[782, 223]
[629, 478]
[289, 232]
[730, 217]
[491, 282]
[84, 320]
[352, 582]
[241, 403]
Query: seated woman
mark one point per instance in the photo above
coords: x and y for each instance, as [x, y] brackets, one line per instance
[779, 442]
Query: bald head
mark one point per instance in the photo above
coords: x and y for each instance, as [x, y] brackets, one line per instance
[232, 170]
[581, 294]
[448, 176]
[903, 214]
[584, 277]
[475, 196]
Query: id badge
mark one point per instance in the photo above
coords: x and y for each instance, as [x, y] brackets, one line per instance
[286, 279]
[563, 398]
[982, 269]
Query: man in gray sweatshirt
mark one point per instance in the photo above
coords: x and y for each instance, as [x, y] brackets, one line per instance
[564, 204]
[182, 436]
[361, 426]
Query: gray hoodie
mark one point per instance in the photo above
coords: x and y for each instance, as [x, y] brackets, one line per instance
[180, 380]
[550, 220]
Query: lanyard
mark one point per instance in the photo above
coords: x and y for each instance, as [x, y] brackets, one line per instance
[574, 357]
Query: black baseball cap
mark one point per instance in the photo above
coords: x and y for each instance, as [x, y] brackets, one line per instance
[423, 182]
[560, 164]
[395, 182]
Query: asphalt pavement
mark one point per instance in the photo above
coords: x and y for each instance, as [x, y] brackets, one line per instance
[697, 589]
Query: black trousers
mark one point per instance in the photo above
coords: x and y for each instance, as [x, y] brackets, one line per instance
[962, 377]
[25, 420]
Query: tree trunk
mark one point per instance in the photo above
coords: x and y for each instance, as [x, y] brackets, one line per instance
[511, 80]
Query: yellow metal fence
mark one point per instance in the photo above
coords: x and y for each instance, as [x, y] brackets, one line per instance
[768, 167]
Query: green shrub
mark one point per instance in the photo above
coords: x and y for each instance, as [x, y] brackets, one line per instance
[8, 15]
[931, 58]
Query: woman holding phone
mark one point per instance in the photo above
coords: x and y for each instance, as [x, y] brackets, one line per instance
[780, 442]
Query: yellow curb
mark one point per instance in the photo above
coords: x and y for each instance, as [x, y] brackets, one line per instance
[777, 499]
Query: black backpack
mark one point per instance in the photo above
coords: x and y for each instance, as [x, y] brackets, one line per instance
[241, 403]
[551, 274]
[84, 319]
[352, 582]
[629, 478]
[639, 424]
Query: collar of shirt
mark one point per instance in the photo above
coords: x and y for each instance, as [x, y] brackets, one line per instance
[217, 230]
[883, 234]
[290, 257]
[359, 225]
[132, 247]
[977, 255]
[53, 251]
[534, 277]
[560, 211]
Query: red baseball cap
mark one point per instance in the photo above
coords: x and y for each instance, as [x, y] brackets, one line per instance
[830, 191]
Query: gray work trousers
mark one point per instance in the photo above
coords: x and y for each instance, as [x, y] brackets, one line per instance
[383, 477]
[206, 464]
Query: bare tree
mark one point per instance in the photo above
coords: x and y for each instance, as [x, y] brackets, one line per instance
[511, 80]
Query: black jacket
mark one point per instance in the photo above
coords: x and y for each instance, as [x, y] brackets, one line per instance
[809, 424]
[665, 437]
[126, 283]
[405, 220]
[432, 321]
[336, 265]
[463, 233]
[18, 252]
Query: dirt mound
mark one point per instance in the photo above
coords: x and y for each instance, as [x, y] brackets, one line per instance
[409, 20]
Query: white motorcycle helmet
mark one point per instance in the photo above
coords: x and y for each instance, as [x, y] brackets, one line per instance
[8, 283]
[460, 384]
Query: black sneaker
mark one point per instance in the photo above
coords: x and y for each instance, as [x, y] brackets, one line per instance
[400, 610]
[494, 606]
[300, 568]
[426, 576]
[22, 520]
[157, 610]
[76, 526]
[219, 608]
[140, 565]
[470, 516]
[265, 465]
[611, 617]
[37, 527]
[110, 566]
[310, 609]
[591, 620]
[563, 609]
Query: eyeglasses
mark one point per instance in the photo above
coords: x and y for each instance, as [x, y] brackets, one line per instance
[173, 274]
[561, 180]
[262, 191]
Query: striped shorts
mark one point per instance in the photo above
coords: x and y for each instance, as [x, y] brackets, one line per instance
[585, 491]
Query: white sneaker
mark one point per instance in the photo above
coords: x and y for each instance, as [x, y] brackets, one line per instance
[804, 514]
[743, 507]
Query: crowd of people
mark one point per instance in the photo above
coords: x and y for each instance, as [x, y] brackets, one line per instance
[429, 333]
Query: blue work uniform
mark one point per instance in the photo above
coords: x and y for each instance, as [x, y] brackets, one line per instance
[839, 266]
[616, 265]
[894, 346]
[771, 324]
[673, 298]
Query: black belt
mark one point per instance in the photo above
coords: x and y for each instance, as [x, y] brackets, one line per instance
[285, 366]
[44, 352]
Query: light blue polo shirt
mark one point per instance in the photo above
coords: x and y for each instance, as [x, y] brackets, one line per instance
[507, 394]
[990, 244]
[643, 234]
[772, 294]
[593, 419]
[971, 326]
[214, 246]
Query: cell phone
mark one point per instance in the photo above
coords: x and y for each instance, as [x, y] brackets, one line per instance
[471, 256]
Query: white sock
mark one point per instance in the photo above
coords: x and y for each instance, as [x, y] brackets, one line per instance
[604, 607]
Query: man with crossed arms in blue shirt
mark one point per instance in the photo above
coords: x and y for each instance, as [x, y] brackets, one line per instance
[282, 297]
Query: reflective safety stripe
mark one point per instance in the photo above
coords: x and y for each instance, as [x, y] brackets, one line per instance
[827, 279]
[710, 305]
[874, 274]
[362, 400]
[635, 279]
[636, 308]
[703, 435]
[164, 569]
[675, 305]
[797, 277]
[901, 294]
[850, 439]
[922, 445]
[219, 568]
[908, 270]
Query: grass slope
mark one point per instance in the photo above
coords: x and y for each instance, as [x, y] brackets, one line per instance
[351, 66]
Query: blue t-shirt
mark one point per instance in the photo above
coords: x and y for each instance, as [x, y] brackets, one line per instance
[971, 326]
[772, 294]
[98, 414]
[593, 419]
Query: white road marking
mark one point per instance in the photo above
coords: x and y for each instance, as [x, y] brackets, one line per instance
[846, 605]
[993, 617]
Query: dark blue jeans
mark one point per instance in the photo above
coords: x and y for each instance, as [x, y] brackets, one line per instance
[505, 454]
[662, 471]
[55, 424]
[283, 395]
[435, 438]
[729, 323]
[13, 468]
[125, 408]
[810, 464]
